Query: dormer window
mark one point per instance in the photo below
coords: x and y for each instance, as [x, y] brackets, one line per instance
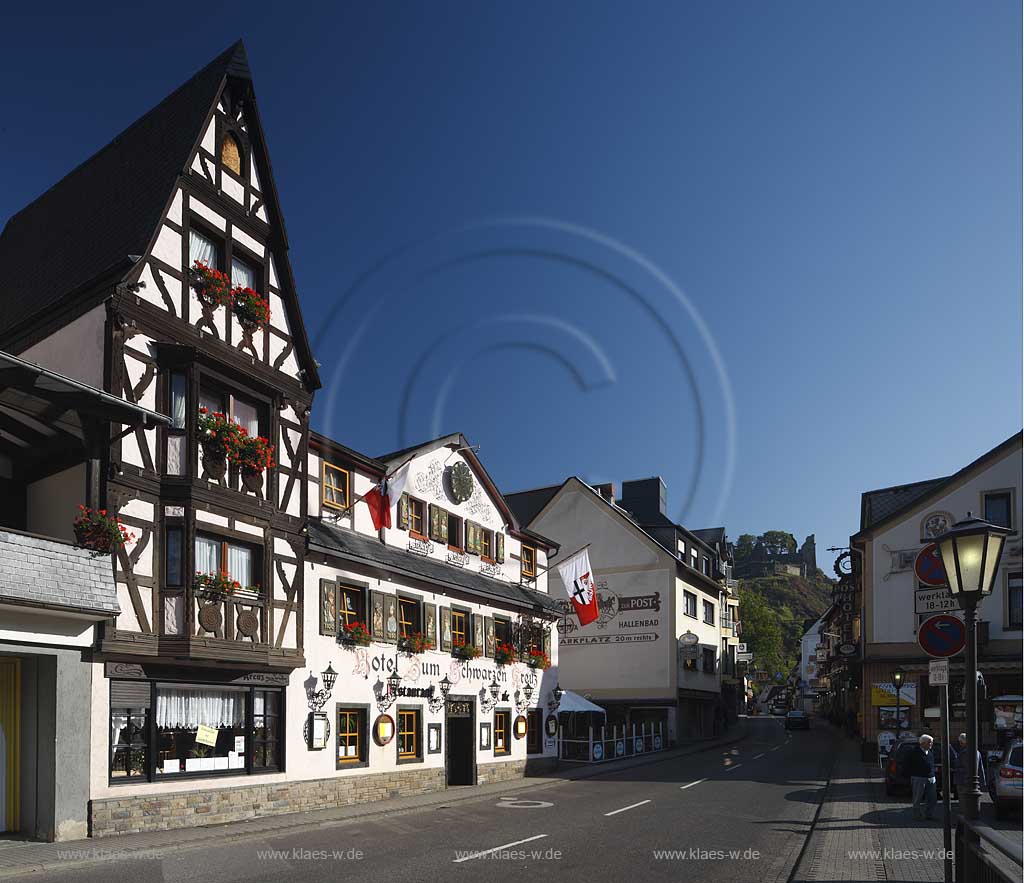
[231, 154]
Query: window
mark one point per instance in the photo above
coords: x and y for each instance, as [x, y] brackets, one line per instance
[502, 732]
[129, 730]
[231, 154]
[460, 628]
[999, 507]
[416, 524]
[454, 532]
[351, 737]
[266, 729]
[1014, 609]
[690, 604]
[534, 731]
[408, 617]
[335, 488]
[243, 274]
[690, 665]
[502, 631]
[239, 561]
[242, 411]
[203, 248]
[409, 735]
[173, 556]
[709, 613]
[705, 565]
[528, 562]
[179, 398]
[708, 660]
[351, 605]
[487, 544]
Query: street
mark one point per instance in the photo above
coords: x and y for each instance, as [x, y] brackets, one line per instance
[736, 814]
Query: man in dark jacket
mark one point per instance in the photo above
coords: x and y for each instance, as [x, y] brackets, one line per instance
[920, 766]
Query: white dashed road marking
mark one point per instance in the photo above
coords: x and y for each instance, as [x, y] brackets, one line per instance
[684, 787]
[615, 812]
[466, 858]
[732, 768]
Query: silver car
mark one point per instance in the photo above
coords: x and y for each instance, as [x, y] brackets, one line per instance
[1006, 781]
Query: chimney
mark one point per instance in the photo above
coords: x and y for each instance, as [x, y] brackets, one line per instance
[645, 498]
[606, 490]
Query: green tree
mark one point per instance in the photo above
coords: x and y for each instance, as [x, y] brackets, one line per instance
[778, 542]
[761, 631]
[744, 546]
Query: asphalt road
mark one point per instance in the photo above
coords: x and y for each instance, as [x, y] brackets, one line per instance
[736, 814]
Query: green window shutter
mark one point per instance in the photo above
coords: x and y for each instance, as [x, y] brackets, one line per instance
[499, 547]
[403, 512]
[446, 629]
[489, 636]
[478, 631]
[328, 607]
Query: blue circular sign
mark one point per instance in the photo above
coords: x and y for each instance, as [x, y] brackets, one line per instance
[942, 636]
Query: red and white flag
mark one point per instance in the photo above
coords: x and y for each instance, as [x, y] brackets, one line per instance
[578, 580]
[385, 496]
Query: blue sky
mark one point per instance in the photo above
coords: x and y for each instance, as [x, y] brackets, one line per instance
[543, 223]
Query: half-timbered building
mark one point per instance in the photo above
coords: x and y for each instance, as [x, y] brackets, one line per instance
[107, 280]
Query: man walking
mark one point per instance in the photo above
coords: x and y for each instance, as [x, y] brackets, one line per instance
[962, 770]
[921, 769]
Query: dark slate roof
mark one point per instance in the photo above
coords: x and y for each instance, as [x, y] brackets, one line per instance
[43, 572]
[527, 504]
[879, 505]
[343, 543]
[710, 535]
[81, 231]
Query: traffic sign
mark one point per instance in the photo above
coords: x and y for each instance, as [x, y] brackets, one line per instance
[938, 673]
[934, 601]
[741, 648]
[928, 566]
[942, 636]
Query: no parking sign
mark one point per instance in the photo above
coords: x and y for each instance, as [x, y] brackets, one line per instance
[942, 636]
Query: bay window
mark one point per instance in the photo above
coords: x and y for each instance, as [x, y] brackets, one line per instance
[238, 560]
[238, 409]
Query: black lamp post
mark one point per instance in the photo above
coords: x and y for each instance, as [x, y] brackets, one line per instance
[897, 679]
[970, 552]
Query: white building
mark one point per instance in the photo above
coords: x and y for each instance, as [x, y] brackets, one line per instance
[896, 524]
[654, 655]
[807, 683]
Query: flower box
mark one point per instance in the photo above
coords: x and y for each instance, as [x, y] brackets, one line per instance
[211, 286]
[504, 654]
[250, 308]
[465, 651]
[417, 643]
[538, 659]
[355, 635]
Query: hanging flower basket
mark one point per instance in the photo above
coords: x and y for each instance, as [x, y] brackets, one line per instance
[219, 436]
[211, 286]
[462, 650]
[538, 659]
[99, 532]
[250, 308]
[417, 643]
[504, 654]
[253, 454]
[354, 634]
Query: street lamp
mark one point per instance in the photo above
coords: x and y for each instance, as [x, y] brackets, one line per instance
[970, 552]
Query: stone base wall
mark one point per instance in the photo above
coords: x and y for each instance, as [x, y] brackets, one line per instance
[186, 809]
[486, 773]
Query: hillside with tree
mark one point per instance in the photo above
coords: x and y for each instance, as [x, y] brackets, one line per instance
[775, 607]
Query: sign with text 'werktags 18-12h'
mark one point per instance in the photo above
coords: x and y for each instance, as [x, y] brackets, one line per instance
[934, 601]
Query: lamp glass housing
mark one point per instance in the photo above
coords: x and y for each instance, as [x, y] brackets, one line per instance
[970, 552]
[329, 676]
[394, 682]
[445, 686]
[495, 688]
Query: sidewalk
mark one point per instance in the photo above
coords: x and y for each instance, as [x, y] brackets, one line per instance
[862, 835]
[18, 859]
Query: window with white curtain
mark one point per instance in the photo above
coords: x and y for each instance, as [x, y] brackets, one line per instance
[202, 248]
[239, 560]
[246, 415]
[207, 555]
[242, 274]
[179, 399]
[187, 707]
[240, 564]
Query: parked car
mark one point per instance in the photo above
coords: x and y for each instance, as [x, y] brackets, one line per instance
[1006, 781]
[798, 720]
[896, 777]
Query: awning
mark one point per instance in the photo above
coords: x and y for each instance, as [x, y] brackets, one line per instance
[574, 702]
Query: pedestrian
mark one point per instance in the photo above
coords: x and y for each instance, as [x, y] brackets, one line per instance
[962, 770]
[921, 769]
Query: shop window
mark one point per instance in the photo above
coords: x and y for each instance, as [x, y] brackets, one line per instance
[351, 605]
[200, 729]
[416, 518]
[534, 731]
[708, 659]
[999, 507]
[409, 735]
[351, 737]
[709, 613]
[409, 617]
[528, 562]
[129, 730]
[335, 487]
[231, 153]
[266, 730]
[502, 732]
[690, 604]
[238, 560]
